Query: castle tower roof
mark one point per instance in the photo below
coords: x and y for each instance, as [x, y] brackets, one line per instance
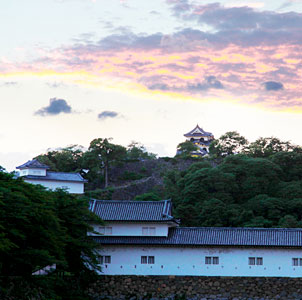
[198, 131]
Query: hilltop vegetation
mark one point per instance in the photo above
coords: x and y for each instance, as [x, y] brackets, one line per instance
[239, 184]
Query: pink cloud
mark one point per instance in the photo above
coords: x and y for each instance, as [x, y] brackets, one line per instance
[224, 64]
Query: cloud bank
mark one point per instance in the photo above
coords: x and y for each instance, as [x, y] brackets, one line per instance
[56, 106]
[220, 53]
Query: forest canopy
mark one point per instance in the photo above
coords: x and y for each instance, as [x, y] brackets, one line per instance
[239, 191]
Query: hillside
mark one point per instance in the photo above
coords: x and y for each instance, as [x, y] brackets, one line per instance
[240, 184]
[130, 179]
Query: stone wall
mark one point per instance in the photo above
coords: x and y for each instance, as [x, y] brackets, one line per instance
[195, 287]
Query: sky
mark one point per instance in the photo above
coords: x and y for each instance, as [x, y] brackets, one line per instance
[146, 71]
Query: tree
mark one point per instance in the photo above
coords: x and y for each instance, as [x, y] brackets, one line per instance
[289, 221]
[68, 159]
[229, 143]
[185, 149]
[40, 228]
[240, 191]
[290, 163]
[265, 147]
[104, 154]
[253, 176]
[137, 151]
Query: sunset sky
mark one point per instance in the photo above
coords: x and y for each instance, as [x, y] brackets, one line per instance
[148, 71]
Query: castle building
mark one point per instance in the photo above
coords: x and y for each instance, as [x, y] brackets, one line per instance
[201, 139]
[35, 172]
[143, 238]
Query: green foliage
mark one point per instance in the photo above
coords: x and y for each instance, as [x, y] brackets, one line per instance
[148, 197]
[290, 163]
[94, 164]
[229, 143]
[136, 151]
[265, 147]
[185, 149]
[240, 191]
[39, 228]
[253, 176]
[68, 159]
[103, 154]
[101, 194]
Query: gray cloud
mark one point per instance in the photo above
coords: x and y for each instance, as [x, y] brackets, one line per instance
[130, 40]
[209, 82]
[235, 30]
[242, 18]
[107, 114]
[212, 82]
[273, 86]
[159, 86]
[55, 107]
[241, 25]
[179, 6]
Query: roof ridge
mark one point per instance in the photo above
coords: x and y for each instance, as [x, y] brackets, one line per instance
[64, 172]
[242, 228]
[133, 201]
[34, 163]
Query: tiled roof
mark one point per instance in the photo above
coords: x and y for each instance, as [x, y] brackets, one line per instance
[203, 133]
[58, 176]
[214, 236]
[122, 210]
[33, 164]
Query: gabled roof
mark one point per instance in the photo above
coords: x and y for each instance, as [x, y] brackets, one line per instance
[124, 210]
[214, 236]
[35, 164]
[58, 176]
[198, 131]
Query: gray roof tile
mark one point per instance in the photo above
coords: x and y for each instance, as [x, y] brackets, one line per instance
[58, 176]
[33, 164]
[214, 236]
[122, 210]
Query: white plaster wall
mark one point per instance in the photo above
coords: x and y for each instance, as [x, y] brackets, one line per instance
[72, 187]
[126, 260]
[35, 172]
[134, 229]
